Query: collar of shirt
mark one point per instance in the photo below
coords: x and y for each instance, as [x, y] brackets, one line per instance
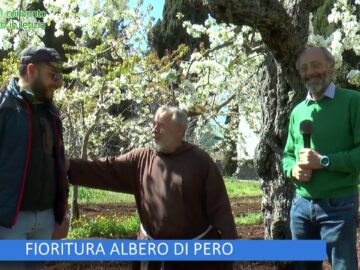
[329, 92]
[27, 94]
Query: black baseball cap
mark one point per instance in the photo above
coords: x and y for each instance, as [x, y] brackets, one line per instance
[43, 55]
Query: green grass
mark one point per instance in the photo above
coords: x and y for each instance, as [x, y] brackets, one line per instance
[242, 188]
[97, 196]
[106, 227]
[235, 188]
[249, 219]
[117, 226]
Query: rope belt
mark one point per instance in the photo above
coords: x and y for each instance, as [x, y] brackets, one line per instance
[200, 236]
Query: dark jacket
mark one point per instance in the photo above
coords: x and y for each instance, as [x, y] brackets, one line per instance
[15, 147]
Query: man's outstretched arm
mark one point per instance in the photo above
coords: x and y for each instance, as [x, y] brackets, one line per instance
[114, 174]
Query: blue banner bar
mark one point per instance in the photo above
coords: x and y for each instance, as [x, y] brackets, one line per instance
[162, 250]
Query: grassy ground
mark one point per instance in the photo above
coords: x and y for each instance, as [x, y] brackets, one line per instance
[119, 226]
[97, 196]
[249, 219]
[107, 227]
[234, 187]
[242, 188]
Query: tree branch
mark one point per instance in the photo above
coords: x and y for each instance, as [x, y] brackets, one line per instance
[205, 54]
[226, 102]
[275, 21]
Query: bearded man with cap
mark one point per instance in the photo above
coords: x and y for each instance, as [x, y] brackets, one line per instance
[33, 184]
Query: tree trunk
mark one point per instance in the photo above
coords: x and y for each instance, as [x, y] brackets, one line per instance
[284, 30]
[75, 213]
[277, 191]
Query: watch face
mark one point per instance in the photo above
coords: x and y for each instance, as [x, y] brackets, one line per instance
[324, 161]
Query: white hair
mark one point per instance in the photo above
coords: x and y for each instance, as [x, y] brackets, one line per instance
[178, 115]
[328, 56]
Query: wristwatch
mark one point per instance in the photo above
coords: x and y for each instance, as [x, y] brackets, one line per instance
[324, 161]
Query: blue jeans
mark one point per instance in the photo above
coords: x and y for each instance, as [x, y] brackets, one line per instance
[333, 220]
[29, 225]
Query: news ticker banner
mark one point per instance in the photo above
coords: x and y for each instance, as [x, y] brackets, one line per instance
[162, 250]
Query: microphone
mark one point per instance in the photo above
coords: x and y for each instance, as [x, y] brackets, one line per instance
[306, 129]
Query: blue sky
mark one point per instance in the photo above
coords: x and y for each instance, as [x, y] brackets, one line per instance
[156, 12]
[157, 4]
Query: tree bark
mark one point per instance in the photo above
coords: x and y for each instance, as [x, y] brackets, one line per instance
[284, 30]
[277, 191]
[75, 213]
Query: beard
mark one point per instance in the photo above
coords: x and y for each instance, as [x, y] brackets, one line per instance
[163, 144]
[41, 91]
[320, 85]
[159, 146]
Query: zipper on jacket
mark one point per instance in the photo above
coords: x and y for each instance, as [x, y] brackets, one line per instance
[27, 161]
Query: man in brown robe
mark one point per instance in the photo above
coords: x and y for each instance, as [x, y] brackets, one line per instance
[178, 189]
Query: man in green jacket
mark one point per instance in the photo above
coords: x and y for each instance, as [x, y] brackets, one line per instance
[325, 173]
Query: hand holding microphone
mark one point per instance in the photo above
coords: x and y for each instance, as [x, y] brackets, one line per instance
[308, 158]
[301, 174]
